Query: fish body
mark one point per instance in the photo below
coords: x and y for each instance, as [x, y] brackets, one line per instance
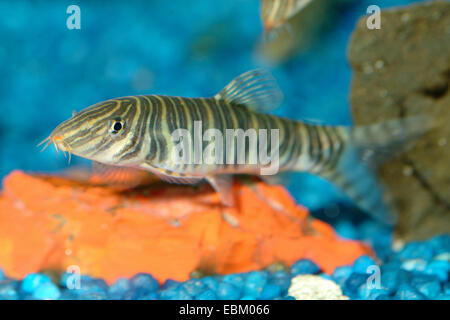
[275, 13]
[137, 132]
[149, 120]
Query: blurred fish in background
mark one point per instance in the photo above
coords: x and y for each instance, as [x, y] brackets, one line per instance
[292, 26]
[275, 13]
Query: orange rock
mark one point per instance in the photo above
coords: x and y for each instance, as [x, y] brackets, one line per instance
[166, 230]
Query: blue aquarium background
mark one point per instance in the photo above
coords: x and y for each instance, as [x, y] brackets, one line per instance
[183, 48]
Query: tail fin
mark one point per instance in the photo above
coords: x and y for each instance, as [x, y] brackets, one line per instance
[380, 142]
[366, 148]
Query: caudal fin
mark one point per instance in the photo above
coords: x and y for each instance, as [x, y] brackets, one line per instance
[366, 148]
[380, 142]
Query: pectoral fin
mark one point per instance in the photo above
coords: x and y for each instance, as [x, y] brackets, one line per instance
[170, 177]
[223, 186]
[178, 179]
[120, 176]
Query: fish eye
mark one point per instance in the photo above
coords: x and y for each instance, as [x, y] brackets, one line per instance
[116, 126]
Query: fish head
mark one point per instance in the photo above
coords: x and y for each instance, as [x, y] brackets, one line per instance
[101, 132]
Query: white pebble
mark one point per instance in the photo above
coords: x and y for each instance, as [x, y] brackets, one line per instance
[311, 287]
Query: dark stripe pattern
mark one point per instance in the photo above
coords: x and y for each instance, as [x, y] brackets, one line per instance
[149, 121]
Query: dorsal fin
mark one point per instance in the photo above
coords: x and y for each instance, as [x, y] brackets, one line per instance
[256, 89]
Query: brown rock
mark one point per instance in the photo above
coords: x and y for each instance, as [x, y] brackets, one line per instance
[400, 70]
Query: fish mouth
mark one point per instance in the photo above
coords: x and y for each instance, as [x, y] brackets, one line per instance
[59, 143]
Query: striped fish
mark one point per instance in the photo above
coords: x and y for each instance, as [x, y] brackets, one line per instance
[136, 133]
[276, 13]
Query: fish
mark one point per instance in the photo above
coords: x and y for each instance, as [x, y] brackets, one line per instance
[276, 13]
[136, 133]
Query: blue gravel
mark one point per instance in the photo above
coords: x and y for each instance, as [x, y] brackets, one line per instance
[354, 283]
[281, 279]
[47, 290]
[270, 291]
[254, 283]
[416, 250]
[237, 280]
[341, 274]
[207, 295]
[144, 282]
[117, 290]
[211, 283]
[194, 287]
[428, 285]
[9, 290]
[424, 280]
[304, 267]
[407, 292]
[362, 264]
[227, 291]
[33, 281]
[440, 268]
